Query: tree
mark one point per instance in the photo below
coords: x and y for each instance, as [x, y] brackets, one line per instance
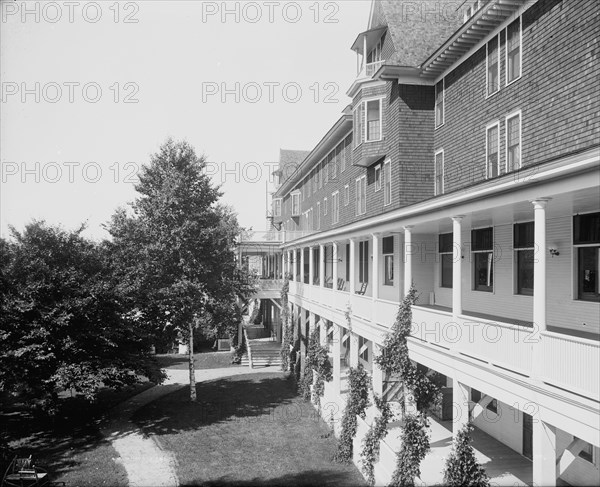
[415, 445]
[176, 248]
[63, 324]
[462, 468]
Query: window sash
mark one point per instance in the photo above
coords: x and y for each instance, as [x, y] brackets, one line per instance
[588, 273]
[387, 245]
[439, 173]
[524, 271]
[493, 75]
[446, 243]
[523, 235]
[447, 268]
[439, 103]
[377, 178]
[388, 266]
[373, 109]
[492, 150]
[346, 195]
[513, 143]
[483, 271]
[363, 262]
[358, 130]
[586, 229]
[513, 51]
[387, 177]
[482, 239]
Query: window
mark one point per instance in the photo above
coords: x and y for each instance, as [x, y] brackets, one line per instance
[513, 51]
[326, 168]
[439, 103]
[296, 203]
[336, 161]
[318, 215]
[491, 149]
[358, 125]
[315, 181]
[343, 156]
[493, 406]
[308, 188]
[377, 178]
[363, 262]
[373, 120]
[347, 262]
[335, 202]
[346, 195]
[439, 173]
[586, 238]
[277, 207]
[320, 175]
[309, 222]
[446, 248]
[387, 247]
[325, 206]
[493, 67]
[587, 452]
[387, 181]
[475, 395]
[361, 195]
[523, 244]
[513, 142]
[363, 348]
[482, 242]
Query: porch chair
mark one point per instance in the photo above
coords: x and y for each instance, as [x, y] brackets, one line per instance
[363, 288]
[341, 284]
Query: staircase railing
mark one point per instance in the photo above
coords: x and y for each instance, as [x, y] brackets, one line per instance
[248, 348]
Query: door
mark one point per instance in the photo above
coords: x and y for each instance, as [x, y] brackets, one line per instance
[527, 436]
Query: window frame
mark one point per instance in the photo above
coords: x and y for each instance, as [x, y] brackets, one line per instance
[487, 66]
[387, 182]
[359, 201]
[444, 252]
[296, 194]
[488, 127]
[346, 195]
[366, 119]
[357, 124]
[510, 116]
[388, 256]
[277, 204]
[518, 289]
[435, 173]
[363, 261]
[335, 202]
[378, 184]
[506, 80]
[318, 215]
[325, 206]
[439, 123]
[578, 245]
[476, 286]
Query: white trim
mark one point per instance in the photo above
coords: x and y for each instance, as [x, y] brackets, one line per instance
[487, 129]
[378, 168]
[506, 82]
[346, 193]
[357, 198]
[318, 215]
[357, 142]
[387, 162]
[325, 206]
[335, 198]
[366, 101]
[443, 81]
[506, 118]
[487, 57]
[441, 151]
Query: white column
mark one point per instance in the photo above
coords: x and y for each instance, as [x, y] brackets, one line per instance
[303, 339]
[312, 322]
[337, 357]
[294, 268]
[302, 264]
[322, 265]
[457, 265]
[460, 406]
[311, 267]
[377, 372]
[539, 264]
[407, 258]
[323, 332]
[544, 453]
[335, 265]
[352, 258]
[376, 253]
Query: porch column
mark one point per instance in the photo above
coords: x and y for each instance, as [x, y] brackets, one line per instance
[457, 265]
[321, 265]
[334, 265]
[301, 264]
[539, 285]
[353, 349]
[377, 375]
[352, 265]
[376, 266]
[294, 268]
[311, 265]
[460, 406]
[407, 258]
[312, 322]
[337, 357]
[544, 453]
[323, 332]
[303, 339]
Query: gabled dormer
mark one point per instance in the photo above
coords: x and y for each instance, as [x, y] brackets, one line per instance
[369, 51]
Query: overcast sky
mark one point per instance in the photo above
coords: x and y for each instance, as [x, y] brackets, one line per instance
[90, 90]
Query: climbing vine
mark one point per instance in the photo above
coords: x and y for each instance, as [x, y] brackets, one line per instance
[356, 404]
[370, 444]
[287, 326]
[415, 445]
[394, 358]
[317, 369]
[462, 467]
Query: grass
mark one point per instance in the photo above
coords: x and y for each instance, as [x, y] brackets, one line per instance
[69, 445]
[246, 430]
[202, 360]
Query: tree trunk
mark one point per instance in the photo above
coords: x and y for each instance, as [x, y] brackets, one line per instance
[191, 363]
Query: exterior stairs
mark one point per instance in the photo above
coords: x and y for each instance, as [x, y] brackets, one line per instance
[265, 353]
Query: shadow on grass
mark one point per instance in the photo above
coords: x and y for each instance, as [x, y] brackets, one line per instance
[202, 360]
[235, 398]
[304, 478]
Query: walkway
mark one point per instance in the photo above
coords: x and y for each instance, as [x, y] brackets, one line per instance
[145, 461]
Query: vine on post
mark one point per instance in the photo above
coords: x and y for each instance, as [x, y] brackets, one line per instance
[356, 404]
[370, 444]
[415, 445]
[462, 468]
[287, 326]
[317, 369]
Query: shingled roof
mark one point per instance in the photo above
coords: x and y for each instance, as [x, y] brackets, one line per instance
[417, 28]
[290, 160]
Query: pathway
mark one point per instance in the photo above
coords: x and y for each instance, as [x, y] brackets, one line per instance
[146, 462]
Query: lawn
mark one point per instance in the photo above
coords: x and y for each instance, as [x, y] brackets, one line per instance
[202, 360]
[246, 430]
[69, 445]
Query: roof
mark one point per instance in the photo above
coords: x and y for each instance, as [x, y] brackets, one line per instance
[418, 28]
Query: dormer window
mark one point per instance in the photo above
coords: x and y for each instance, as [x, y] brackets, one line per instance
[368, 47]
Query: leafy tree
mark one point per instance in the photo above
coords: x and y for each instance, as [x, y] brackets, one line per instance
[176, 249]
[63, 323]
[415, 445]
[462, 468]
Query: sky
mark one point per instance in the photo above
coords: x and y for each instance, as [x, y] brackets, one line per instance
[91, 89]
